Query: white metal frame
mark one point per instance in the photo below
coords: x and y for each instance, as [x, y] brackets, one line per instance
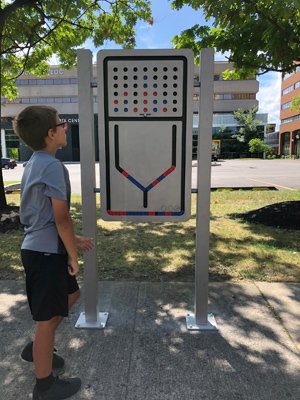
[201, 320]
[91, 317]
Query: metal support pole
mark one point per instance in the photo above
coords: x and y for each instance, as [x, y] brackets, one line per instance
[91, 317]
[201, 320]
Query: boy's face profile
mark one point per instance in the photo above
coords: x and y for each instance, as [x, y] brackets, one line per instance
[60, 133]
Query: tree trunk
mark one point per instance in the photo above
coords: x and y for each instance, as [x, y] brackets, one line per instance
[3, 202]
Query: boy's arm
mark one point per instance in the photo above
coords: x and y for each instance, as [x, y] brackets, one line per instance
[65, 230]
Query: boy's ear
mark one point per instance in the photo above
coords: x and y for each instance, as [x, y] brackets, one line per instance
[51, 133]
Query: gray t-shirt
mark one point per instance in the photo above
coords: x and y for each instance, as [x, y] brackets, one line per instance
[44, 177]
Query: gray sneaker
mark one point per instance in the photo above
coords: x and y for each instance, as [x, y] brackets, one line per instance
[60, 389]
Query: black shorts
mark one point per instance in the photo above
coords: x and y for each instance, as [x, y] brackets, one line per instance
[48, 284]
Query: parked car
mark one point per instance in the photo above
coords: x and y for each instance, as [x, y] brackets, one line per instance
[8, 163]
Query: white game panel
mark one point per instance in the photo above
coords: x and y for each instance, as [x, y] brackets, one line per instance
[145, 131]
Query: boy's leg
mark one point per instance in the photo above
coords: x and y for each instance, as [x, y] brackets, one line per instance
[43, 347]
[72, 298]
[74, 294]
[47, 386]
[28, 349]
[47, 286]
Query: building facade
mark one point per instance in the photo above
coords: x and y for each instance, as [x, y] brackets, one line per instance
[229, 95]
[272, 140]
[289, 132]
[59, 89]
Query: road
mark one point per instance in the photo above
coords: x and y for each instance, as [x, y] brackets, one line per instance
[282, 174]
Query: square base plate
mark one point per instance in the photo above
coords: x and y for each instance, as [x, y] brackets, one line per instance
[99, 324]
[192, 325]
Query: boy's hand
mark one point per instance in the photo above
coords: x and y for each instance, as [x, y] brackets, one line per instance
[73, 267]
[84, 243]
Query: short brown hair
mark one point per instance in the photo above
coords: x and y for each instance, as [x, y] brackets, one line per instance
[33, 123]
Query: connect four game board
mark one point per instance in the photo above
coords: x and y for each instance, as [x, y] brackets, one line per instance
[145, 131]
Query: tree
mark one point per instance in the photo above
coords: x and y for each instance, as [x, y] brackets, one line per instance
[248, 124]
[31, 31]
[258, 36]
[295, 105]
[257, 145]
[58, 27]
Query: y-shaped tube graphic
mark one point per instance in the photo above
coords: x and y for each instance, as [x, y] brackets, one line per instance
[144, 189]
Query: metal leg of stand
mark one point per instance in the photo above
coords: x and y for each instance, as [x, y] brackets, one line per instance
[91, 317]
[201, 319]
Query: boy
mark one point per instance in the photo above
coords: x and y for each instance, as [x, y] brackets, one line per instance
[49, 248]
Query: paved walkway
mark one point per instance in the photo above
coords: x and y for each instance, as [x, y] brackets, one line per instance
[146, 352]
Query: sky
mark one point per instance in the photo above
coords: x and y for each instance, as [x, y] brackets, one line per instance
[168, 23]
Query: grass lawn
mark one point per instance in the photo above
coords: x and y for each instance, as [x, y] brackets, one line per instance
[166, 251]
[6, 183]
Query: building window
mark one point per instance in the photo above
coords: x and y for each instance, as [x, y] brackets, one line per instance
[288, 90]
[297, 85]
[4, 100]
[234, 96]
[218, 96]
[244, 96]
[285, 106]
[42, 100]
[42, 81]
[12, 140]
[290, 119]
[287, 75]
[62, 100]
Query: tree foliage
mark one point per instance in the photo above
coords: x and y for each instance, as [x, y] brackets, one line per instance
[257, 145]
[295, 105]
[248, 124]
[32, 31]
[256, 35]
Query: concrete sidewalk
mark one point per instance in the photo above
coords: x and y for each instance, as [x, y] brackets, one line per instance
[146, 352]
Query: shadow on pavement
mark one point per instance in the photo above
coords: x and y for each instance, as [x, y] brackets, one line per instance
[146, 352]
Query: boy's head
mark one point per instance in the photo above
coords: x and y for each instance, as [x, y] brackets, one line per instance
[33, 123]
